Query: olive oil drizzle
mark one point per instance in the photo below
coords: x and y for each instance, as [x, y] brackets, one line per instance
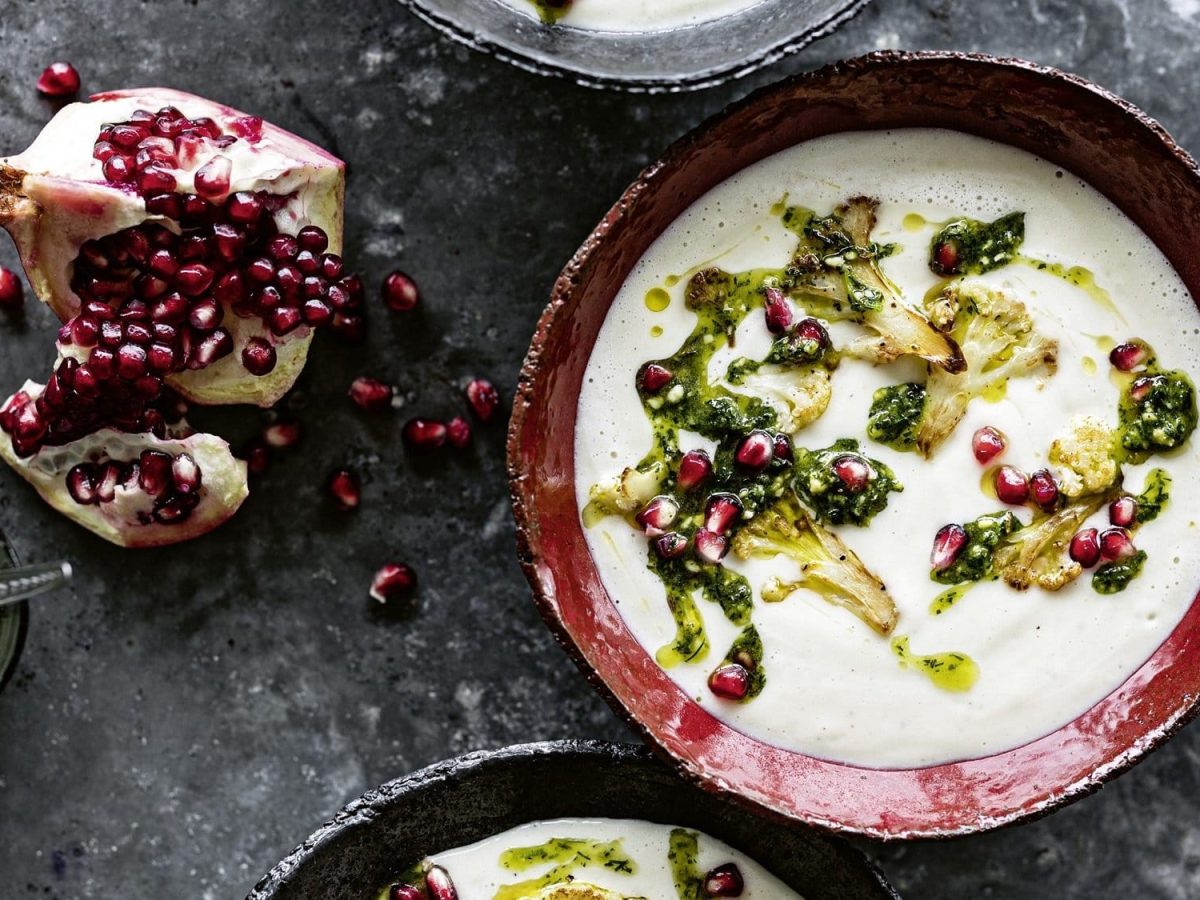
[951, 671]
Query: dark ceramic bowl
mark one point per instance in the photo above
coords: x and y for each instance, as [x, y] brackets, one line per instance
[675, 60]
[1061, 118]
[14, 621]
[470, 798]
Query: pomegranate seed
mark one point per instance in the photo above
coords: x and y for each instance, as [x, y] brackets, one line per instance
[778, 312]
[783, 447]
[12, 294]
[257, 456]
[437, 880]
[458, 432]
[312, 239]
[948, 544]
[1115, 544]
[1012, 486]
[1085, 547]
[244, 208]
[853, 471]
[393, 582]
[1128, 356]
[345, 489]
[1140, 389]
[721, 511]
[730, 682]
[352, 329]
[81, 486]
[811, 330]
[59, 79]
[1043, 488]
[1123, 511]
[724, 881]
[657, 515]
[694, 469]
[118, 170]
[106, 483]
[371, 394]
[283, 247]
[282, 435]
[653, 377]
[711, 547]
[154, 472]
[155, 179]
[194, 279]
[987, 443]
[284, 320]
[400, 292]
[258, 356]
[946, 256]
[755, 450]
[405, 892]
[212, 179]
[217, 345]
[483, 397]
[131, 362]
[424, 434]
[670, 545]
[206, 315]
[185, 474]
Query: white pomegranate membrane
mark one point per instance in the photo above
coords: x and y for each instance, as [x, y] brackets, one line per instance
[639, 15]
[834, 688]
[478, 870]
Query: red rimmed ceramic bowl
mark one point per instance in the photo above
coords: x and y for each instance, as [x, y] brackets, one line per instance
[1061, 118]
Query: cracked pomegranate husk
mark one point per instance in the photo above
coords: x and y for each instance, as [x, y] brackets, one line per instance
[224, 227]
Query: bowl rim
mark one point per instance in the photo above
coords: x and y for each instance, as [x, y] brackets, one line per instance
[1184, 709]
[455, 770]
[8, 559]
[698, 80]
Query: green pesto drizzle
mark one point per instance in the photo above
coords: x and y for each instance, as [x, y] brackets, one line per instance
[747, 652]
[683, 855]
[950, 671]
[567, 856]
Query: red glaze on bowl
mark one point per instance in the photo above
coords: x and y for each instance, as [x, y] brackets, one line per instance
[1064, 119]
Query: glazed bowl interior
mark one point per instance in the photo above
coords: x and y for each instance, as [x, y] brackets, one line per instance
[467, 799]
[1063, 119]
[678, 59]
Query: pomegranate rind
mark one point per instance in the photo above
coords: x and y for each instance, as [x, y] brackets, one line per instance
[223, 490]
[54, 197]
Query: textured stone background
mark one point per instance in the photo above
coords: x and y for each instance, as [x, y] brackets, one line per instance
[181, 719]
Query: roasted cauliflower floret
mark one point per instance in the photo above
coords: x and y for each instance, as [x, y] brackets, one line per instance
[798, 395]
[632, 490]
[1082, 458]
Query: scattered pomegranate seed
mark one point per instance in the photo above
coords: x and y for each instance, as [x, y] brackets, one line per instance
[721, 511]
[783, 447]
[371, 394]
[393, 582]
[12, 294]
[1115, 544]
[671, 545]
[400, 292]
[853, 471]
[694, 469]
[810, 329]
[345, 488]
[987, 443]
[946, 256]
[1128, 356]
[424, 434]
[440, 886]
[755, 451]
[258, 356]
[711, 547]
[282, 435]
[948, 544]
[1140, 389]
[1012, 486]
[405, 892]
[59, 79]
[724, 881]
[777, 310]
[257, 456]
[730, 682]
[653, 377]
[483, 397]
[458, 432]
[1123, 511]
[1085, 547]
[1043, 489]
[657, 515]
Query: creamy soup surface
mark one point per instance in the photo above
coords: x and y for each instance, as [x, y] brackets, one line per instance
[638, 15]
[628, 857]
[835, 688]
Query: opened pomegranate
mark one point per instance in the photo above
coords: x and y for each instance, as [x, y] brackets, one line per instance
[218, 225]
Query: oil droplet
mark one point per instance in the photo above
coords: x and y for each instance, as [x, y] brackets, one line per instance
[1082, 278]
[656, 331]
[657, 299]
[987, 482]
[779, 207]
[914, 222]
[949, 597]
[1105, 344]
[950, 671]
[672, 280]
[1089, 365]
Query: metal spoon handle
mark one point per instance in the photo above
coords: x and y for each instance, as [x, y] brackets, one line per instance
[29, 581]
